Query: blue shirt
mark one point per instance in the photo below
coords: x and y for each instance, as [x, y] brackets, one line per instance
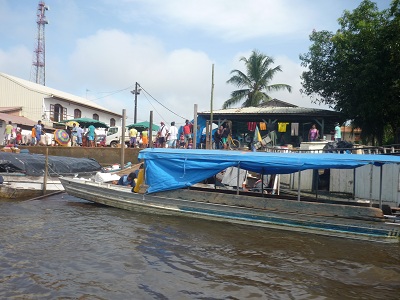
[338, 132]
[125, 182]
[75, 131]
[91, 130]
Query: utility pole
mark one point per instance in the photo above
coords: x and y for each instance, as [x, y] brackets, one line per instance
[135, 92]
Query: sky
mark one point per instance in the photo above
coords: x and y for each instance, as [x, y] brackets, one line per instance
[99, 49]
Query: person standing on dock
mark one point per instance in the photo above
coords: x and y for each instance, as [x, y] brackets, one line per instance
[38, 131]
[338, 132]
[162, 135]
[313, 134]
[79, 134]
[187, 131]
[132, 137]
[145, 138]
[172, 135]
[33, 136]
[74, 135]
[91, 134]
[8, 133]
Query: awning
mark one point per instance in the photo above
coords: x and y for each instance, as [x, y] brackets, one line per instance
[21, 121]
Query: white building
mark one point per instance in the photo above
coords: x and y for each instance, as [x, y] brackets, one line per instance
[37, 102]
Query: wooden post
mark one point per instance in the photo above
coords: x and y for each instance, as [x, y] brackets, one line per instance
[237, 180]
[195, 127]
[298, 187]
[381, 187]
[123, 139]
[354, 184]
[262, 184]
[208, 141]
[151, 130]
[209, 134]
[46, 170]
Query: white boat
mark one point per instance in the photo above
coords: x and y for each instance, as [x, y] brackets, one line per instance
[171, 174]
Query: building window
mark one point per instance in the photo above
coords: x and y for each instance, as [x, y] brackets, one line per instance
[112, 122]
[96, 117]
[77, 113]
[57, 113]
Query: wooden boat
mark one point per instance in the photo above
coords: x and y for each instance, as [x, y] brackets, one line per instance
[22, 174]
[18, 185]
[171, 175]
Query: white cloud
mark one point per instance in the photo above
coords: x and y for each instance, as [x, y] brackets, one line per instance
[112, 60]
[291, 72]
[233, 20]
[16, 61]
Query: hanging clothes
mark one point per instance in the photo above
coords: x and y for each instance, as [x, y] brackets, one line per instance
[263, 126]
[251, 126]
[273, 137]
[282, 126]
[294, 129]
[271, 126]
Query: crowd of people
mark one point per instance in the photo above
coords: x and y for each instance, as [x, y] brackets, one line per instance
[77, 136]
[13, 135]
[221, 136]
[167, 137]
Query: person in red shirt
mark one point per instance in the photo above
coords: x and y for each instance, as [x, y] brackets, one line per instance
[19, 136]
[187, 131]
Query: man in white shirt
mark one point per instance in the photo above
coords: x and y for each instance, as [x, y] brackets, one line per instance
[338, 132]
[172, 136]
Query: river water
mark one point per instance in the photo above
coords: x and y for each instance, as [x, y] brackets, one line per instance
[63, 247]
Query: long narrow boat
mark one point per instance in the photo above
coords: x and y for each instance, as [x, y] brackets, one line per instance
[22, 174]
[170, 175]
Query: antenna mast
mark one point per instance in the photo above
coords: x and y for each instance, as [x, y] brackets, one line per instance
[38, 74]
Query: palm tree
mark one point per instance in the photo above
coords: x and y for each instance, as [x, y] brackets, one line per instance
[254, 84]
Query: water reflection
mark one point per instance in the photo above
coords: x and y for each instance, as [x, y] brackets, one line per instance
[64, 247]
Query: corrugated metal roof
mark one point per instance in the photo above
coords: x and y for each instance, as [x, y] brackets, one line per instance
[11, 108]
[56, 93]
[271, 110]
[16, 119]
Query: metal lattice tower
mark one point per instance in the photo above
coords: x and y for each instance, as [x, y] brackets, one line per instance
[38, 73]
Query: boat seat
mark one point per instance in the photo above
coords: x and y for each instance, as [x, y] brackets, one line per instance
[386, 209]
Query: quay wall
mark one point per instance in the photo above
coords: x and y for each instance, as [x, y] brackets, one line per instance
[104, 155]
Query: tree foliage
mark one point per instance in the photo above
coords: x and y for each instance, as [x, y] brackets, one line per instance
[357, 69]
[254, 84]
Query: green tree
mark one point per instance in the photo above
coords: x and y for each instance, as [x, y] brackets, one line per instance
[356, 69]
[254, 85]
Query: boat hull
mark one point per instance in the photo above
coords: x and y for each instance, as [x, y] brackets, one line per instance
[21, 186]
[241, 210]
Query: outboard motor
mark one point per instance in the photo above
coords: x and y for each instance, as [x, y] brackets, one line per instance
[1, 179]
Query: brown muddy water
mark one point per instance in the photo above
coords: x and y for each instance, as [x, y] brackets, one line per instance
[62, 247]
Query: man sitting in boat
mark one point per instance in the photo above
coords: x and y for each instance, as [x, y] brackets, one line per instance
[127, 180]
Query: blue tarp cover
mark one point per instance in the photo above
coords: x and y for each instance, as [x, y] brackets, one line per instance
[169, 169]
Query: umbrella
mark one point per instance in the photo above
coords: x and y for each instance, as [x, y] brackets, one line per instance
[71, 123]
[86, 122]
[61, 137]
[143, 125]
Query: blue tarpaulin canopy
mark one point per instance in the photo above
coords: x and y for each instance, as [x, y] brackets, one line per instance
[169, 169]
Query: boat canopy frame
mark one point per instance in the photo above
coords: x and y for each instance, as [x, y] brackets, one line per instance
[169, 169]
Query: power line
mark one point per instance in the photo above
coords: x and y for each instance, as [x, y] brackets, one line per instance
[111, 93]
[162, 104]
[154, 108]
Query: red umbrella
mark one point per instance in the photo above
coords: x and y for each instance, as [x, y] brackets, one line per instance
[61, 137]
